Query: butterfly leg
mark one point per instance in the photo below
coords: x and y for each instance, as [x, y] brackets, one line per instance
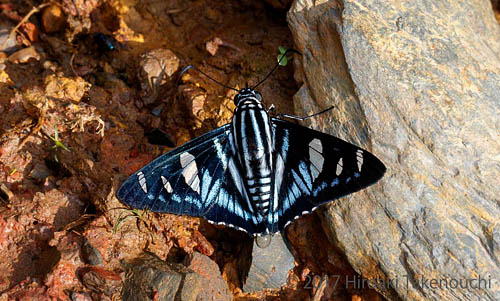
[271, 110]
[302, 118]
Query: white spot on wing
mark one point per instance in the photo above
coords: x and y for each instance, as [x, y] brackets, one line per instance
[301, 214]
[195, 185]
[227, 225]
[359, 157]
[316, 157]
[142, 181]
[340, 165]
[316, 145]
[190, 171]
[166, 184]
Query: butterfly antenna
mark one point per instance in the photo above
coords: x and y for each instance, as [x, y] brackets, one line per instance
[208, 76]
[276, 66]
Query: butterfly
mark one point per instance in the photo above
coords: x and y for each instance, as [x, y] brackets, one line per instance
[256, 174]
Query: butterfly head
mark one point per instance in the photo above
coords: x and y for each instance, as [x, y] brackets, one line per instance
[246, 93]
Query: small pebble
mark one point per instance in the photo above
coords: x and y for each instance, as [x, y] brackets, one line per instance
[53, 19]
[11, 44]
[157, 110]
[39, 172]
[213, 45]
[90, 254]
[24, 55]
[31, 31]
[49, 65]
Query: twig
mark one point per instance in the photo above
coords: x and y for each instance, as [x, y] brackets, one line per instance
[174, 11]
[71, 63]
[36, 129]
[32, 11]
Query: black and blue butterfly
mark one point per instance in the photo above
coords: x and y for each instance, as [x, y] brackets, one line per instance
[256, 174]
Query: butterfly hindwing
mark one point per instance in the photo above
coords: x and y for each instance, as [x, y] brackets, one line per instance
[192, 179]
[312, 168]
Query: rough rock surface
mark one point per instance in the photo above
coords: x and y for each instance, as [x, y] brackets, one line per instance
[211, 286]
[417, 83]
[150, 277]
[270, 265]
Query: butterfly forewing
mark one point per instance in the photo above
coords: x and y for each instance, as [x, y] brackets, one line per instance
[163, 177]
[191, 180]
[317, 168]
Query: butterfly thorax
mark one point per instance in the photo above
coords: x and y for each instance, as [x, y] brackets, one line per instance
[253, 149]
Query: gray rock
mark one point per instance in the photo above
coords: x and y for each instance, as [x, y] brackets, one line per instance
[418, 84]
[150, 276]
[8, 43]
[213, 286]
[191, 287]
[40, 171]
[90, 254]
[270, 266]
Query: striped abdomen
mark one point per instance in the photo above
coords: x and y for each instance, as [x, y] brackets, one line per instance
[252, 135]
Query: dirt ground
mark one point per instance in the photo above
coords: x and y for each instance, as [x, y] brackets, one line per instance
[82, 90]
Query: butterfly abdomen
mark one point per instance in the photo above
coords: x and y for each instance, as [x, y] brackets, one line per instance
[252, 136]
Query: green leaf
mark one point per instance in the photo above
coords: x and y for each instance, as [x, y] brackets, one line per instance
[57, 142]
[136, 213]
[282, 60]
